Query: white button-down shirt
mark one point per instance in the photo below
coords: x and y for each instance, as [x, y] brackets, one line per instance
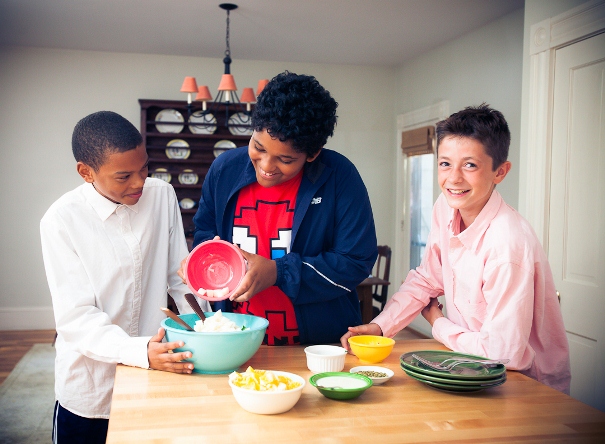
[109, 267]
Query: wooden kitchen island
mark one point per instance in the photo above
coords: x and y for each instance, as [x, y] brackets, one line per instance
[154, 406]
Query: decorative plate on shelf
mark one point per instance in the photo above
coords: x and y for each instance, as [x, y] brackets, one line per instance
[188, 177]
[187, 204]
[178, 149]
[202, 122]
[169, 115]
[163, 174]
[223, 145]
[240, 119]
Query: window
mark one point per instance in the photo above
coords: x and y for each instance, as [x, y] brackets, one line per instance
[421, 204]
[418, 146]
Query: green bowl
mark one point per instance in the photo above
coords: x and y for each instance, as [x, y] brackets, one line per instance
[340, 385]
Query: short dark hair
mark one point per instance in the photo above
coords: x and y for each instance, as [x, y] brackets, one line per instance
[483, 124]
[297, 109]
[102, 133]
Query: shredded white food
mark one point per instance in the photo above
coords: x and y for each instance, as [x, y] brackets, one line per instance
[217, 322]
[218, 293]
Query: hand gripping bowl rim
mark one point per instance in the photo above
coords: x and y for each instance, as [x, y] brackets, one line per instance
[205, 358]
[371, 353]
[205, 244]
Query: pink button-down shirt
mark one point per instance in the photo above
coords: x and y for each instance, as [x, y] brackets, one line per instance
[499, 292]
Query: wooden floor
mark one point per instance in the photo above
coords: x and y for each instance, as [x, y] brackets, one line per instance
[16, 343]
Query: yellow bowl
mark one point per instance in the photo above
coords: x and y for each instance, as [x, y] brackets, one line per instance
[371, 349]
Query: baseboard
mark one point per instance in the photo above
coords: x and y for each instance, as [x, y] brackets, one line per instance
[27, 318]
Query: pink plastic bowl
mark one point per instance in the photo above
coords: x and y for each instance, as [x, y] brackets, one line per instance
[213, 265]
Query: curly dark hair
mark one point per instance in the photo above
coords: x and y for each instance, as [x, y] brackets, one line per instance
[483, 124]
[297, 109]
[100, 134]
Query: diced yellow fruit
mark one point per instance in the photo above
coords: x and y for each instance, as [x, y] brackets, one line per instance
[262, 380]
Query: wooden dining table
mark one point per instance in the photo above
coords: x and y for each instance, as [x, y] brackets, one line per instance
[154, 406]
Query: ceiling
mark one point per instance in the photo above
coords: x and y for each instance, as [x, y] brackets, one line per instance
[358, 32]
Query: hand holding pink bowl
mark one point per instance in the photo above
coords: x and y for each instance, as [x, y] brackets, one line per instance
[214, 265]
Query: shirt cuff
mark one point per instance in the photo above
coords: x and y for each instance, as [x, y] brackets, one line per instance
[279, 263]
[443, 329]
[383, 323]
[134, 352]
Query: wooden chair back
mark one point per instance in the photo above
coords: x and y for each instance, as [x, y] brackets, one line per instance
[382, 270]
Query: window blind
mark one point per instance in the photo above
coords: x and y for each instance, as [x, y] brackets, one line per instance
[418, 141]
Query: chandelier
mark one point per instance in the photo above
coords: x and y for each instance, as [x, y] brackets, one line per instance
[237, 113]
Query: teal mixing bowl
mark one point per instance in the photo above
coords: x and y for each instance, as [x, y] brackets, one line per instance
[218, 352]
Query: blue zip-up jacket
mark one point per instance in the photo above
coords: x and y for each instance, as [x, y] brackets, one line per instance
[333, 246]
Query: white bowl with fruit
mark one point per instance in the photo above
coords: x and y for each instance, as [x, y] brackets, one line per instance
[266, 392]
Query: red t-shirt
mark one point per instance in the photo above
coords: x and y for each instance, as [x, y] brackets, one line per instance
[263, 225]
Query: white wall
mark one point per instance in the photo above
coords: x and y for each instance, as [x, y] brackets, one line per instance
[46, 91]
[535, 12]
[483, 66]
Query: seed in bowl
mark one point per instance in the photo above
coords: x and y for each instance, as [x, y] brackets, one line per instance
[262, 380]
[372, 374]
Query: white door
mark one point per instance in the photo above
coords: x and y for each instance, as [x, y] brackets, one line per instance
[576, 243]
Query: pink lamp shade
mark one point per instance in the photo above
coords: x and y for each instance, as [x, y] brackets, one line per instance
[227, 83]
[189, 85]
[203, 94]
[248, 95]
[261, 85]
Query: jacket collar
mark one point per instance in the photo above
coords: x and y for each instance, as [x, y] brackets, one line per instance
[314, 170]
[315, 174]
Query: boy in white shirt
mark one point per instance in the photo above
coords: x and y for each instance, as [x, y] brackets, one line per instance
[111, 250]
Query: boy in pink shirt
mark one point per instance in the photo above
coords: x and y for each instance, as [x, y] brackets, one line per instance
[485, 258]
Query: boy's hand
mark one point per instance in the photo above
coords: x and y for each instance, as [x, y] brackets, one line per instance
[261, 274]
[432, 311]
[181, 271]
[160, 358]
[365, 329]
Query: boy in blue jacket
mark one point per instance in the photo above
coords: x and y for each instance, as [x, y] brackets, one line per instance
[300, 213]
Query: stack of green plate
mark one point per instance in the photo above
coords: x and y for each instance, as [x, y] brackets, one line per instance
[467, 377]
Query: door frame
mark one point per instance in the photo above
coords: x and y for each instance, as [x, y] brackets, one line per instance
[546, 37]
[400, 261]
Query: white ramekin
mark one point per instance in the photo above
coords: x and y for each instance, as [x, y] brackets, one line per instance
[325, 358]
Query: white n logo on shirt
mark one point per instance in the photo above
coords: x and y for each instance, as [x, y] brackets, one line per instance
[245, 242]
